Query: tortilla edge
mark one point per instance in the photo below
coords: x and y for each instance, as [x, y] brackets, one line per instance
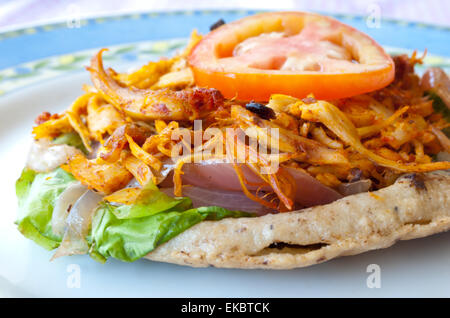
[210, 242]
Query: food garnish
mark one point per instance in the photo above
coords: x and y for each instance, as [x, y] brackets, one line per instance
[292, 53]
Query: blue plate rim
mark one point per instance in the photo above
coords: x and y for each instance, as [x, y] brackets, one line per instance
[125, 17]
[98, 19]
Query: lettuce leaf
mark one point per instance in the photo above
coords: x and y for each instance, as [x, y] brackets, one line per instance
[131, 238]
[71, 139]
[125, 232]
[151, 201]
[36, 194]
[440, 107]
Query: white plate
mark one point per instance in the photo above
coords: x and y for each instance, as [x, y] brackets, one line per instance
[413, 268]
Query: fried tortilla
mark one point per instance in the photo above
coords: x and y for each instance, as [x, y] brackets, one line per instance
[415, 206]
[153, 163]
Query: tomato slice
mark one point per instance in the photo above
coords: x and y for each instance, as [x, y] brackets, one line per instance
[292, 53]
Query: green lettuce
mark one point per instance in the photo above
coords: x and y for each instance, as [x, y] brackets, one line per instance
[129, 232]
[37, 194]
[440, 107]
[125, 232]
[71, 139]
[152, 201]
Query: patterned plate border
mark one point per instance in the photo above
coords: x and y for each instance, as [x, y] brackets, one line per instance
[140, 52]
[137, 16]
[134, 54]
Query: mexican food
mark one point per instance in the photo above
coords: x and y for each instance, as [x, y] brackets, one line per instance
[277, 141]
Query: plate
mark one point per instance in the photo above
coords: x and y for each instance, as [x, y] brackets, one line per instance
[49, 77]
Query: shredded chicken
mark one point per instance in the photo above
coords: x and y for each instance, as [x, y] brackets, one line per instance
[148, 104]
[104, 178]
[141, 118]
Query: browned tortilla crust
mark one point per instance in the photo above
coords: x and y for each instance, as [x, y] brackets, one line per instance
[415, 206]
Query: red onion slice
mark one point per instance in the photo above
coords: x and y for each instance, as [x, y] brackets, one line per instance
[355, 187]
[437, 80]
[222, 176]
[310, 191]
